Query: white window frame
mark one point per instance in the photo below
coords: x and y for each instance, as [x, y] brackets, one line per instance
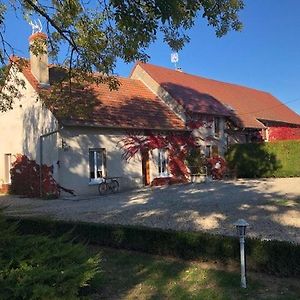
[97, 168]
[162, 162]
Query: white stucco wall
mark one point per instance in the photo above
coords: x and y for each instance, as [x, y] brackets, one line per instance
[74, 170]
[21, 127]
[74, 159]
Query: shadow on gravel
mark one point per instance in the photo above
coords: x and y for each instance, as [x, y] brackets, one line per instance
[212, 207]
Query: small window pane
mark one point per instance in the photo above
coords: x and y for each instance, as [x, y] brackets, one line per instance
[163, 162]
[217, 126]
[96, 163]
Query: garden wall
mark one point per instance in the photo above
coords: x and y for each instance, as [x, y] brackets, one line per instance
[273, 159]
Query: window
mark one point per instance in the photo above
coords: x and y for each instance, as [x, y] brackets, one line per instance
[208, 151]
[217, 127]
[7, 167]
[97, 161]
[163, 162]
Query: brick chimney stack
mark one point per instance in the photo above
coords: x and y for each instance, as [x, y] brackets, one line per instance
[39, 63]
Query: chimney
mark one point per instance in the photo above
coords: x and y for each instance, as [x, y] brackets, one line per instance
[39, 62]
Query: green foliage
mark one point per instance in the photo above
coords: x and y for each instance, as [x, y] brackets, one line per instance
[274, 159]
[40, 267]
[13, 86]
[196, 161]
[274, 257]
[98, 34]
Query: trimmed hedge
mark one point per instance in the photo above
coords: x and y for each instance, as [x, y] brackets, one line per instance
[273, 159]
[273, 257]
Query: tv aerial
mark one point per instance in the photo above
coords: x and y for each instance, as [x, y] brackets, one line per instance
[174, 59]
[36, 26]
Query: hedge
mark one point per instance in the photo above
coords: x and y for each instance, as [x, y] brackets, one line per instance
[273, 257]
[40, 267]
[273, 159]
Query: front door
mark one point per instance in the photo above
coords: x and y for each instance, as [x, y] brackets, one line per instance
[146, 168]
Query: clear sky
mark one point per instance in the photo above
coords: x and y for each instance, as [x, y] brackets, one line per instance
[265, 55]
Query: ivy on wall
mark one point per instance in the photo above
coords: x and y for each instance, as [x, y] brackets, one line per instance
[28, 178]
[177, 145]
[284, 133]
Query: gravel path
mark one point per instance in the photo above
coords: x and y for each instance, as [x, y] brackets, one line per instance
[271, 206]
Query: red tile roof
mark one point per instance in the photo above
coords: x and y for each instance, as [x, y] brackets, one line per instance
[198, 94]
[132, 106]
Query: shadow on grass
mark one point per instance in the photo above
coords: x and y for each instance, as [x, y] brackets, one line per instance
[128, 275]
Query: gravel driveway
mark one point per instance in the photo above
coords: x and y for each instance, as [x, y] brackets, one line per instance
[271, 206]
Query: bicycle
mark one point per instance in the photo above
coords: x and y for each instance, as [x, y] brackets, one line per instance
[108, 185]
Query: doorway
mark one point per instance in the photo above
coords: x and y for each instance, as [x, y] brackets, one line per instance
[146, 168]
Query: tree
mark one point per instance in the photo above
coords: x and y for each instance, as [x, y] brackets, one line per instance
[97, 33]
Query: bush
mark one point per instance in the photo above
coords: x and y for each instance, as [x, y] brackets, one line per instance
[196, 161]
[217, 166]
[25, 179]
[274, 159]
[274, 257]
[39, 267]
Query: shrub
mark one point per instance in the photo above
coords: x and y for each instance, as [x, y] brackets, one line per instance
[217, 166]
[25, 179]
[40, 267]
[274, 257]
[196, 161]
[273, 159]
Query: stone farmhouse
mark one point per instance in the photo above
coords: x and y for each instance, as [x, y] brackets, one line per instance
[83, 150]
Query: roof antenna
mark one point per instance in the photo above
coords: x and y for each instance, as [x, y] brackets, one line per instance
[36, 26]
[175, 59]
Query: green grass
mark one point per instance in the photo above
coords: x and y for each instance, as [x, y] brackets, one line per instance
[286, 202]
[271, 257]
[131, 275]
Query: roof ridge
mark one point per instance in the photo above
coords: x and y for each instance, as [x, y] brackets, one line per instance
[206, 78]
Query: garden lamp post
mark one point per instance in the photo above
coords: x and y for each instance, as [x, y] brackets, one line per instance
[241, 226]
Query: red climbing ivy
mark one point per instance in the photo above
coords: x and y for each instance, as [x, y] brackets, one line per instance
[284, 133]
[25, 179]
[217, 166]
[177, 145]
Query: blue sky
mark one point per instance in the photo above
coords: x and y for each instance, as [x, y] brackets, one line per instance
[265, 55]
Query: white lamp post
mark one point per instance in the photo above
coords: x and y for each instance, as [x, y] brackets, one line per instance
[241, 226]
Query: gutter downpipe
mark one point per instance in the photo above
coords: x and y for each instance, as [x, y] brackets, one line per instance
[41, 157]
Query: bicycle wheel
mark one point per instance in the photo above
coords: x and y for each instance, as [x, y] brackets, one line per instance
[114, 186]
[102, 188]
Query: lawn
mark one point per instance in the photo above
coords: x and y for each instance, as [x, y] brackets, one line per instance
[131, 275]
[48, 267]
